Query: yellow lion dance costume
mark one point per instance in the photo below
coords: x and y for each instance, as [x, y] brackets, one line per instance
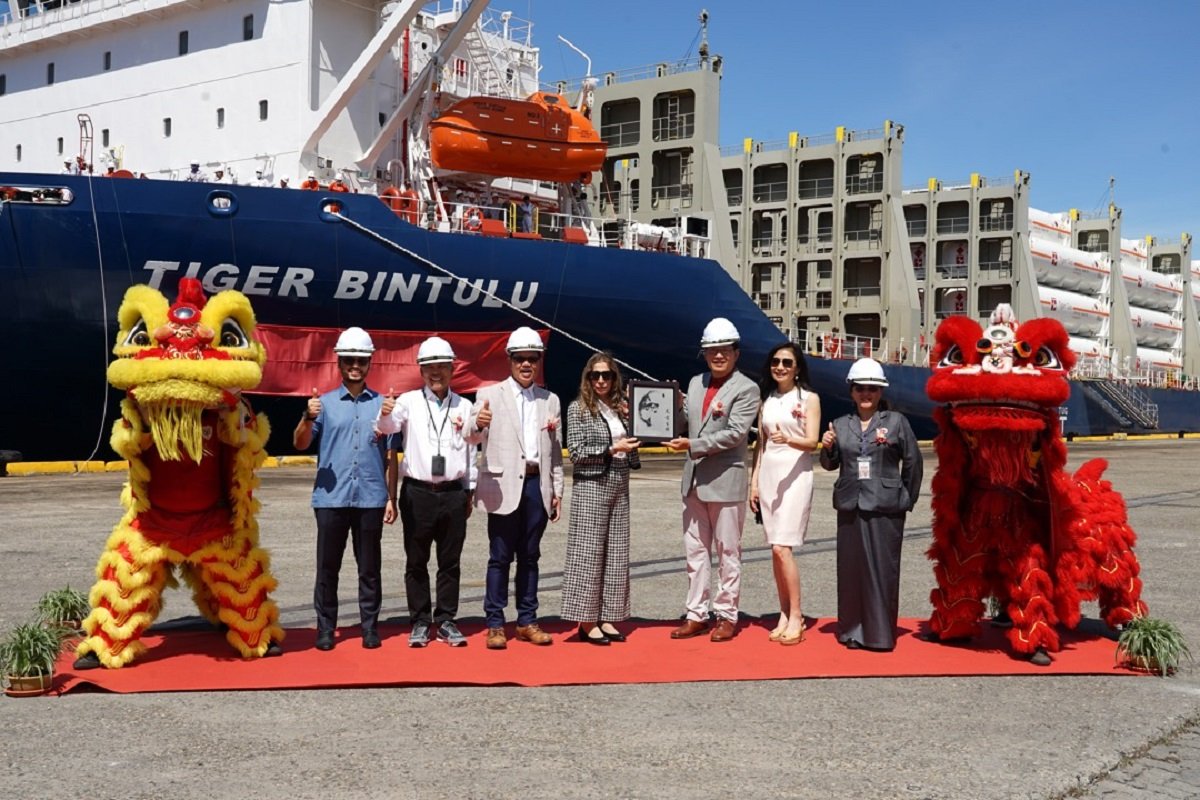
[193, 446]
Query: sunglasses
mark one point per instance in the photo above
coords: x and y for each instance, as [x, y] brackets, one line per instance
[352, 361]
[601, 375]
[529, 359]
[783, 362]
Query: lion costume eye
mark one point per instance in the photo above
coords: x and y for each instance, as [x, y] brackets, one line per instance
[1046, 358]
[232, 334]
[952, 358]
[139, 335]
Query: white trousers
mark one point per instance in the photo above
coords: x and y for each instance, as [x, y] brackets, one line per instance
[708, 527]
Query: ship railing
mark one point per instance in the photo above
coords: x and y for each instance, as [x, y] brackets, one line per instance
[815, 299]
[772, 192]
[868, 238]
[770, 301]
[864, 134]
[952, 271]
[1002, 222]
[1134, 402]
[996, 269]
[677, 193]
[621, 134]
[644, 72]
[917, 227]
[771, 145]
[831, 344]
[776, 145]
[953, 224]
[768, 245]
[734, 197]
[731, 149]
[864, 184]
[861, 295]
[813, 188]
[675, 126]
[1089, 247]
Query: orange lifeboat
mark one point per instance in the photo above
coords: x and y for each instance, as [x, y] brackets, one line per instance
[540, 138]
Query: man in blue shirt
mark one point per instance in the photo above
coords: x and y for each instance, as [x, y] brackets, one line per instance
[355, 489]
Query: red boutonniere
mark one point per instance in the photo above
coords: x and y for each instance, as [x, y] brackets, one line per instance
[718, 410]
[552, 424]
[798, 412]
[881, 436]
[457, 422]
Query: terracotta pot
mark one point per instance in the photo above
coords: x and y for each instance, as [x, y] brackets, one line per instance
[28, 685]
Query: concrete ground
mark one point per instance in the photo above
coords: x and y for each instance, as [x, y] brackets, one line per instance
[1104, 736]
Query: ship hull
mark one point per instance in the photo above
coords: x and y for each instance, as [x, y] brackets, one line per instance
[64, 270]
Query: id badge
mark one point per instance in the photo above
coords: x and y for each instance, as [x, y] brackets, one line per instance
[438, 467]
[864, 468]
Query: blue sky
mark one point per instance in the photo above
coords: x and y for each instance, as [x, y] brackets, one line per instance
[1071, 92]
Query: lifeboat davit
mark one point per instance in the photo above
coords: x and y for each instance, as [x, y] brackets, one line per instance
[540, 138]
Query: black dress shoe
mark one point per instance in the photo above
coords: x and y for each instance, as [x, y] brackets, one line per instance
[324, 640]
[273, 649]
[90, 661]
[600, 640]
[615, 636]
[370, 639]
[852, 645]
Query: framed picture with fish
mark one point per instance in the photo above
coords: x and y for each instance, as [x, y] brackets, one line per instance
[653, 410]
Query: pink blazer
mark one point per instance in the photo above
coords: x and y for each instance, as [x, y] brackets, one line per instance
[502, 460]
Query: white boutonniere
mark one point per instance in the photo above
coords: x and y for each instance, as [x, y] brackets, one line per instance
[881, 435]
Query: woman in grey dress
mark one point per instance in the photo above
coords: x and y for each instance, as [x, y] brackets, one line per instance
[877, 486]
[595, 591]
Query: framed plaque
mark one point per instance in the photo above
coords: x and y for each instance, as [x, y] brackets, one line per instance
[652, 410]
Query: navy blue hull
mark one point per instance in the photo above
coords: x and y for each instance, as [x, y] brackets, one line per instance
[65, 268]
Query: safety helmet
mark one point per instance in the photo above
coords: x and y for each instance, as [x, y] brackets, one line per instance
[312, 174]
[284, 179]
[525, 338]
[354, 342]
[867, 371]
[195, 165]
[718, 333]
[435, 350]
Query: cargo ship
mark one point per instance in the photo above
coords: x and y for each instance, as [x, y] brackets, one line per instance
[147, 140]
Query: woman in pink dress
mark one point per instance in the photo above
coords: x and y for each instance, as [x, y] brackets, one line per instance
[781, 486]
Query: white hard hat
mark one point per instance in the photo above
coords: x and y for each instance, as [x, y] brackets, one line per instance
[354, 342]
[867, 371]
[435, 350]
[312, 174]
[284, 179]
[524, 338]
[719, 332]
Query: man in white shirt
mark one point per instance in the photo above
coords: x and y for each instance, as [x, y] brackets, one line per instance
[520, 484]
[438, 489]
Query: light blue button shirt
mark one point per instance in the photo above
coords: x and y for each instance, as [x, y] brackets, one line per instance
[351, 456]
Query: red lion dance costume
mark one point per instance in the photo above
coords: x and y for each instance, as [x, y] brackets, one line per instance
[1008, 520]
[193, 446]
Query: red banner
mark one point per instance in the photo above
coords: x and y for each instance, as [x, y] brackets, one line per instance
[299, 359]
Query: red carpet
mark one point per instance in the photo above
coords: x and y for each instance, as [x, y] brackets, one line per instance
[179, 661]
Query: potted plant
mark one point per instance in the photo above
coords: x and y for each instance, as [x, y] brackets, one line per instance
[28, 655]
[1153, 645]
[65, 607]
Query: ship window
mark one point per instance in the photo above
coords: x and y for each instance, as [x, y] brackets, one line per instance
[247, 27]
[107, 60]
[460, 68]
[220, 118]
[50, 74]
[183, 43]
[3, 84]
[262, 109]
[104, 138]
[60, 145]
[18, 152]
[167, 127]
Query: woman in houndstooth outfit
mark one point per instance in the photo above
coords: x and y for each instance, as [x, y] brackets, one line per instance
[596, 575]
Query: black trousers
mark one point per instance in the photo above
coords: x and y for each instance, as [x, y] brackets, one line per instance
[365, 525]
[432, 517]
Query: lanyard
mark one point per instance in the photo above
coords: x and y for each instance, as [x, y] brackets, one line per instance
[445, 418]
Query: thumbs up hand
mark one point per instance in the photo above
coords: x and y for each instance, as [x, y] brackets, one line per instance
[314, 404]
[829, 438]
[389, 403]
[483, 417]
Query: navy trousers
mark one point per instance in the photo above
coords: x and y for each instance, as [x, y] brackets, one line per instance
[516, 535]
[334, 525]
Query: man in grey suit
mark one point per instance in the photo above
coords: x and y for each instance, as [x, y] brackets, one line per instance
[520, 484]
[721, 406]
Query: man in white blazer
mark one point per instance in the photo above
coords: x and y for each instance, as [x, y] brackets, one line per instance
[721, 406]
[520, 484]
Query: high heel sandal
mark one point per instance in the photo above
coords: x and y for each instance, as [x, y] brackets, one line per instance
[784, 639]
[774, 635]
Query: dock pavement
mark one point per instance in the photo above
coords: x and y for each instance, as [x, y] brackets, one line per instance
[1113, 736]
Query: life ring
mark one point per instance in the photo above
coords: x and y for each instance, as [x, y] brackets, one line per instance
[473, 219]
[408, 206]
